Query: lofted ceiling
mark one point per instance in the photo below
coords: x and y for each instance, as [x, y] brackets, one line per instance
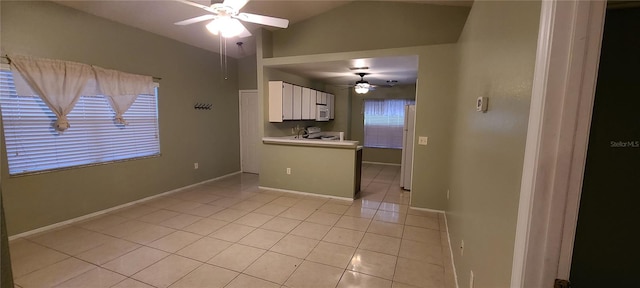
[158, 16]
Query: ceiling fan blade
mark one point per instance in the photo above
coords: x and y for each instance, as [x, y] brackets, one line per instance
[264, 20]
[196, 19]
[235, 4]
[194, 4]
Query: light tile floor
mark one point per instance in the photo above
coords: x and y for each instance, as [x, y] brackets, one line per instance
[229, 233]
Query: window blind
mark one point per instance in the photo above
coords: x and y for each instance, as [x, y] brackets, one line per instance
[384, 122]
[32, 144]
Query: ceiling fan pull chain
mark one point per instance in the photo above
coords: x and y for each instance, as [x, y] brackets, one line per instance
[226, 71]
[221, 59]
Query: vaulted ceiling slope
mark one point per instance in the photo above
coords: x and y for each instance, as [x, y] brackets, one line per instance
[158, 16]
[370, 25]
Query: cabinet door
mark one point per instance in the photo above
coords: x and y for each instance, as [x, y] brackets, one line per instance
[312, 104]
[287, 101]
[332, 105]
[297, 102]
[275, 101]
[321, 98]
[306, 99]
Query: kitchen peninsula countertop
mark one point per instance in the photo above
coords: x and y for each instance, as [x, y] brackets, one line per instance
[292, 140]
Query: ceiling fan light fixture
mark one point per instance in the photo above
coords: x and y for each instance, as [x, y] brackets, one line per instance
[362, 88]
[226, 26]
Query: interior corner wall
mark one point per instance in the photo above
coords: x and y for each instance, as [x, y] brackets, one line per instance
[434, 107]
[495, 59]
[189, 75]
[248, 73]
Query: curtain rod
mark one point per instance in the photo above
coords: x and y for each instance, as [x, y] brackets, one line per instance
[7, 60]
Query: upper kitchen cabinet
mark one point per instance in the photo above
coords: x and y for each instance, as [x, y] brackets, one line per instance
[292, 102]
[280, 101]
[308, 103]
[297, 102]
[321, 98]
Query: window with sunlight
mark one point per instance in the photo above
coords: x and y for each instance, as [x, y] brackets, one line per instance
[33, 145]
[384, 122]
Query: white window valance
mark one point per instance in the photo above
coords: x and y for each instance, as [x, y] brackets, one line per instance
[122, 89]
[58, 83]
[61, 83]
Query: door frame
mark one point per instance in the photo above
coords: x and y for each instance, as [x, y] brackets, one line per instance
[563, 92]
[240, 92]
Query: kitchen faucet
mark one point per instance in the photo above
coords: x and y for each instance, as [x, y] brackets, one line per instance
[301, 130]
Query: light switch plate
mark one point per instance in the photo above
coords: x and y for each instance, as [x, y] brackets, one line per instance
[422, 140]
[482, 104]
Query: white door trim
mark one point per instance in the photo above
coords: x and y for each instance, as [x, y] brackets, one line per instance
[240, 92]
[562, 98]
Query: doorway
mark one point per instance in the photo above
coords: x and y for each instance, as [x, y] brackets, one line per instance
[604, 253]
[249, 131]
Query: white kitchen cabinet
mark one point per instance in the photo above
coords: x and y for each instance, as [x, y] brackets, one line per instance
[312, 104]
[306, 103]
[331, 103]
[321, 98]
[287, 101]
[297, 102]
[280, 101]
[293, 102]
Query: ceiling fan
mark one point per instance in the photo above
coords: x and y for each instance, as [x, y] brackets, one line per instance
[362, 86]
[225, 18]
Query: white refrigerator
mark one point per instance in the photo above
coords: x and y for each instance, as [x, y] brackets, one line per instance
[407, 147]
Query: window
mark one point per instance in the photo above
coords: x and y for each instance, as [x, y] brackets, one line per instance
[384, 122]
[32, 144]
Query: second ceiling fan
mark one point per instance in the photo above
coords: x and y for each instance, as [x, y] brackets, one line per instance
[226, 16]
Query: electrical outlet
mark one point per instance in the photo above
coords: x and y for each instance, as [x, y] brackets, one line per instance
[461, 247]
[422, 140]
[447, 194]
[195, 165]
[293, 130]
[288, 171]
[471, 279]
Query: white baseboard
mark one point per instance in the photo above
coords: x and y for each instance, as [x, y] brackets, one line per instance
[427, 210]
[453, 263]
[87, 216]
[306, 193]
[380, 163]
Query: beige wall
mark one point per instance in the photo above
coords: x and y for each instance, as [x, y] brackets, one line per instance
[248, 73]
[391, 156]
[434, 104]
[368, 25]
[189, 75]
[496, 55]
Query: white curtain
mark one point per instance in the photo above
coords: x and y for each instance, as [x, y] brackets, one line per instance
[386, 107]
[58, 83]
[122, 89]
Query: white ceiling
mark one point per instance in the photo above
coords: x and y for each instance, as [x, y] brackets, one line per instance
[158, 16]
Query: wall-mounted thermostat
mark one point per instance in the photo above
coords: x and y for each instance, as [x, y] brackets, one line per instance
[481, 104]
